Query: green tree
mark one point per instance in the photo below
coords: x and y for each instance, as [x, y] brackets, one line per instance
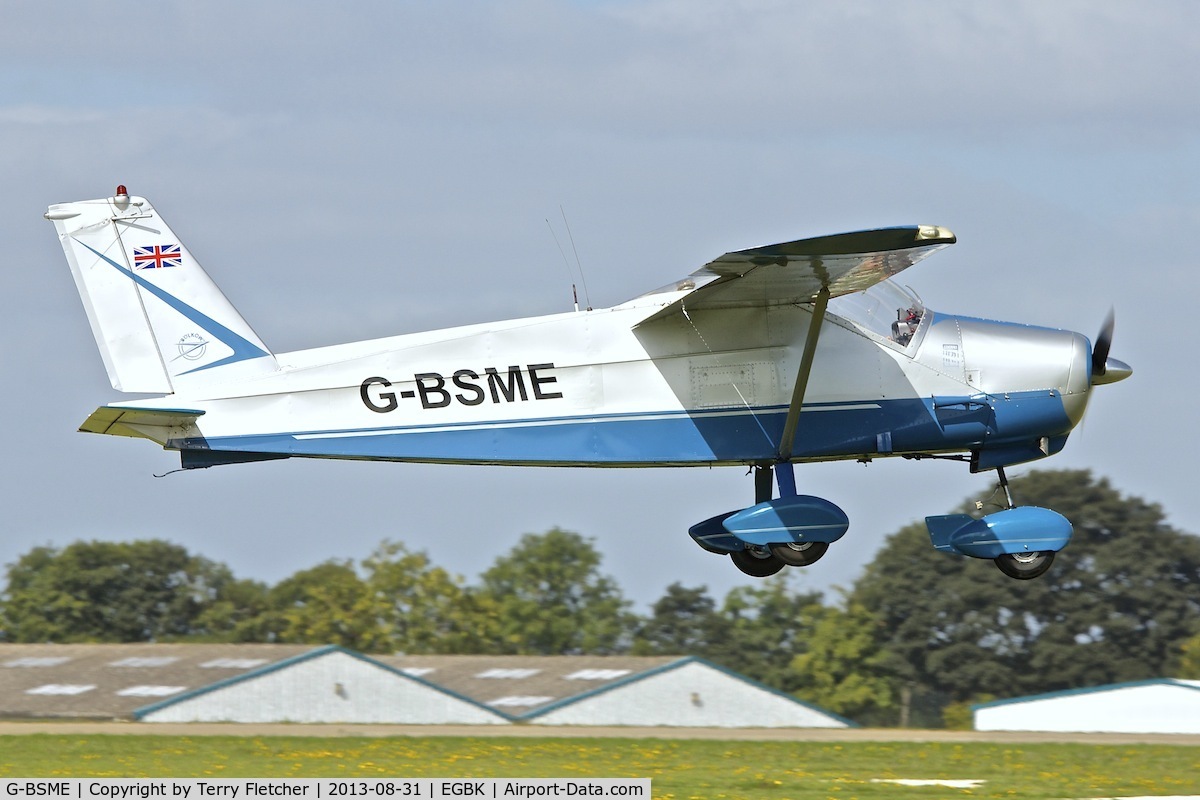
[235, 615]
[138, 591]
[326, 604]
[844, 668]
[1188, 666]
[1117, 605]
[770, 623]
[423, 608]
[547, 597]
[683, 622]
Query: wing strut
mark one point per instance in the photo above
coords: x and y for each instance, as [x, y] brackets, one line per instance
[802, 375]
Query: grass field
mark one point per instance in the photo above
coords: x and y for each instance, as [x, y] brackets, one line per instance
[678, 768]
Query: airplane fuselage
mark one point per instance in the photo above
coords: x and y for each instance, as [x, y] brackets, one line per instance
[612, 388]
[797, 351]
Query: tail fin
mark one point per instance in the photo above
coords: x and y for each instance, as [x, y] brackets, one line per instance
[161, 324]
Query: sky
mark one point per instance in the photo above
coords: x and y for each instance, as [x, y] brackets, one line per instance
[350, 171]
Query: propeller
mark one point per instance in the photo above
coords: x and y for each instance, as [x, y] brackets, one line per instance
[1103, 345]
[1105, 369]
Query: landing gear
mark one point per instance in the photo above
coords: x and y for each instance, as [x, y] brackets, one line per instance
[760, 561]
[757, 562]
[799, 554]
[1025, 566]
[1006, 537]
[789, 531]
[1004, 485]
[1022, 566]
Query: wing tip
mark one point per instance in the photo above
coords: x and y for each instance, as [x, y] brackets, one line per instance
[929, 234]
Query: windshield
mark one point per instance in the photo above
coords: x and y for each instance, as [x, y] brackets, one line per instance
[886, 309]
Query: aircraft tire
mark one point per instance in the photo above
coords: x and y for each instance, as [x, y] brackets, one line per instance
[1025, 566]
[757, 562]
[799, 554]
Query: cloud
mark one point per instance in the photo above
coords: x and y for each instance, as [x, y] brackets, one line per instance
[697, 69]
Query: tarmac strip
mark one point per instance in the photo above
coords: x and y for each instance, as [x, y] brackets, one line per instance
[123, 727]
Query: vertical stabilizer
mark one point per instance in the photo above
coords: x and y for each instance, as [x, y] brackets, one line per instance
[160, 322]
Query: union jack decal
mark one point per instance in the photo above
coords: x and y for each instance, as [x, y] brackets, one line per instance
[157, 256]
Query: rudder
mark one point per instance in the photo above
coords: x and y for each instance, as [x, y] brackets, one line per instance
[160, 322]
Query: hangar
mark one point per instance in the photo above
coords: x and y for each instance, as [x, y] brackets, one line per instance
[329, 684]
[1164, 705]
[307, 684]
[618, 690]
[688, 692]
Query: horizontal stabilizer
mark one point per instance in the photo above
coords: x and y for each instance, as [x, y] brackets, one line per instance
[157, 424]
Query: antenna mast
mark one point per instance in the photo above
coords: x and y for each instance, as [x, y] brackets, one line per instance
[567, 263]
[586, 295]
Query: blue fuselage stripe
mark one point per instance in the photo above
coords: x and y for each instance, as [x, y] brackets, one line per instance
[708, 436]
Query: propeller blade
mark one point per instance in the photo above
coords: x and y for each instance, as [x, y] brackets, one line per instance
[1103, 345]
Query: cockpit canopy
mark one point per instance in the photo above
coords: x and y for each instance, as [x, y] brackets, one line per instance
[886, 309]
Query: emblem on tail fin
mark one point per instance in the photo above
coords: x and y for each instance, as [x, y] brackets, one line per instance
[192, 346]
[157, 257]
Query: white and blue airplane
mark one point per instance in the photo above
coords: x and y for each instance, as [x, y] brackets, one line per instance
[795, 352]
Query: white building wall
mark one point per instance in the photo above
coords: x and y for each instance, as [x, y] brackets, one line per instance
[692, 694]
[1155, 708]
[334, 687]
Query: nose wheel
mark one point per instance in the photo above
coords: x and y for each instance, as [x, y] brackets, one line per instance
[1022, 566]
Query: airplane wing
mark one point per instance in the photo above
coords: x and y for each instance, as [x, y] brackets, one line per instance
[158, 425]
[809, 271]
[795, 272]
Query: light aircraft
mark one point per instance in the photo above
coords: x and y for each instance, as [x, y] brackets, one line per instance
[795, 352]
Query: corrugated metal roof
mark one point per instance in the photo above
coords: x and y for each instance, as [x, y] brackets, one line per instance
[521, 685]
[105, 681]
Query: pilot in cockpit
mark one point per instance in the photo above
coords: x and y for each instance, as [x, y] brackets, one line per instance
[907, 320]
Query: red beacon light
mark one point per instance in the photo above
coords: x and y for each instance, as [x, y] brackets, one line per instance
[122, 191]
